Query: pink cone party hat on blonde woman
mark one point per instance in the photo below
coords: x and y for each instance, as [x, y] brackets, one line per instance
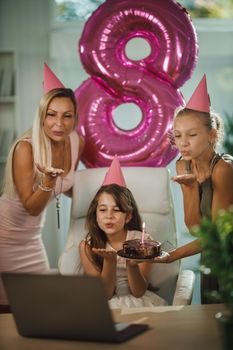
[200, 100]
[50, 80]
[114, 174]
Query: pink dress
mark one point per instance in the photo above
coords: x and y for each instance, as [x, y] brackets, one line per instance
[21, 245]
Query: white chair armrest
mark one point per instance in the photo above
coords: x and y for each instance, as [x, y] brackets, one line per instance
[184, 288]
[68, 263]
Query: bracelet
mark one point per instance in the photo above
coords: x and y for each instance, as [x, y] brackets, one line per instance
[45, 188]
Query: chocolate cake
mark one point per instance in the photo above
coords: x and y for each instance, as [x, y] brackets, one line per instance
[134, 248]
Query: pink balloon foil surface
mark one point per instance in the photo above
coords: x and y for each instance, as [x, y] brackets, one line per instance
[152, 83]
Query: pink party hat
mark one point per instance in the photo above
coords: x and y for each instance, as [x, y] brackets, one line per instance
[50, 80]
[200, 100]
[114, 174]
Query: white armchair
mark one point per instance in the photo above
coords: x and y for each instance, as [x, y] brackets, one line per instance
[151, 190]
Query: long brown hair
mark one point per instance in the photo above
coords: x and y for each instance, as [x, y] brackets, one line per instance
[96, 238]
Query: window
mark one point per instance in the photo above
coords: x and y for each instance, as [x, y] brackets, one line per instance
[80, 10]
[75, 10]
[209, 8]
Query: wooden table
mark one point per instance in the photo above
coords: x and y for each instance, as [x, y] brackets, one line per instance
[190, 327]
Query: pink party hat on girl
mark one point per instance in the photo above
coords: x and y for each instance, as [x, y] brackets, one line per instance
[50, 80]
[114, 174]
[200, 100]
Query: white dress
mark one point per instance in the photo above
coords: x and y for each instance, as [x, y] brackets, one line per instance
[123, 298]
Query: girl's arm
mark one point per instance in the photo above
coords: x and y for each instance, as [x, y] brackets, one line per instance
[33, 199]
[108, 273]
[222, 180]
[184, 251]
[138, 275]
[191, 197]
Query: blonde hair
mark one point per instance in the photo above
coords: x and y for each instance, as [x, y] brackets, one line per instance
[41, 145]
[211, 120]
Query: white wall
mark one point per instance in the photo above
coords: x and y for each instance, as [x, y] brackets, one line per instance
[25, 26]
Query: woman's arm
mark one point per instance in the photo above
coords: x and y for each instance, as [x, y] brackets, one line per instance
[222, 181]
[33, 199]
[108, 273]
[138, 275]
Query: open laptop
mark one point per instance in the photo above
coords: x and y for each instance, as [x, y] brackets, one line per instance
[66, 307]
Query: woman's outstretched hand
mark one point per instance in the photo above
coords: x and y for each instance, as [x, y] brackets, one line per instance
[52, 172]
[184, 179]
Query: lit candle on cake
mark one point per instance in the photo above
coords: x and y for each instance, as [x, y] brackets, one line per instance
[143, 232]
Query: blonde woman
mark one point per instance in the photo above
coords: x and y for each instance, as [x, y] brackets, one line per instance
[39, 168]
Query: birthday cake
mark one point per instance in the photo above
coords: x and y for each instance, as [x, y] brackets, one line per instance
[135, 248]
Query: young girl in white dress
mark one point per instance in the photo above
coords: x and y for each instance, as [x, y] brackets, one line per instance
[112, 218]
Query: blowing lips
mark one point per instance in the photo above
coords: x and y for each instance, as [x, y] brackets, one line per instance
[58, 133]
[185, 153]
[109, 225]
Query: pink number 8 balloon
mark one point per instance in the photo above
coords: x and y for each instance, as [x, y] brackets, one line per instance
[152, 83]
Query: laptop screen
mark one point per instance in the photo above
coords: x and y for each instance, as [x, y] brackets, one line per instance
[67, 307]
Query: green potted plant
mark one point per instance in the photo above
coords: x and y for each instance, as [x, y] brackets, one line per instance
[217, 258]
